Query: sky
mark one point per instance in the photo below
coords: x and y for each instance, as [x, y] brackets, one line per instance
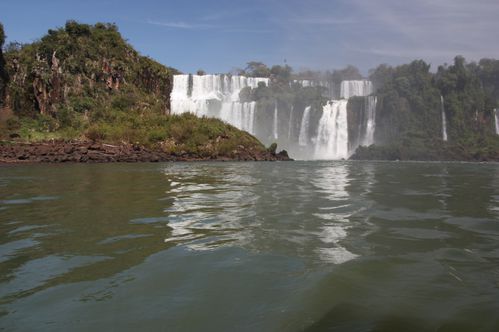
[221, 35]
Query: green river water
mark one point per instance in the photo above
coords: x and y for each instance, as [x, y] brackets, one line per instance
[283, 246]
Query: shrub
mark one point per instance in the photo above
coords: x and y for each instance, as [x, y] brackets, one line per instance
[272, 148]
[13, 124]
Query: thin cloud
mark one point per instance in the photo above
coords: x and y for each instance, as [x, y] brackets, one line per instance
[367, 32]
[436, 21]
[246, 30]
[223, 14]
[179, 25]
[323, 20]
[409, 53]
[221, 28]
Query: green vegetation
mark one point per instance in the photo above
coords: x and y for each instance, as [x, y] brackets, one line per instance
[4, 77]
[409, 120]
[85, 82]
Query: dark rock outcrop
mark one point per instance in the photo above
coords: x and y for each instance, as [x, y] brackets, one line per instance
[94, 152]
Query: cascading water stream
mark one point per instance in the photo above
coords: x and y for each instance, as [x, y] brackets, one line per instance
[444, 120]
[368, 138]
[496, 117]
[349, 89]
[208, 88]
[216, 96]
[332, 133]
[276, 124]
[324, 134]
[290, 123]
[304, 128]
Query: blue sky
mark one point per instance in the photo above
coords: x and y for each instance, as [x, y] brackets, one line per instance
[218, 36]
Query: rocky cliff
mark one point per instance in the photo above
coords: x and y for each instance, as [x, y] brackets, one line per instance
[80, 61]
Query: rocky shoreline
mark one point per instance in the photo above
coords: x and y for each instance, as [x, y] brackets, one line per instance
[97, 152]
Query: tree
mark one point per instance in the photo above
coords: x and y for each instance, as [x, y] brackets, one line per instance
[4, 77]
[2, 36]
[257, 69]
[281, 73]
[348, 73]
[381, 75]
[76, 29]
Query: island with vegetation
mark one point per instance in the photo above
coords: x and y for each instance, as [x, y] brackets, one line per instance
[81, 93]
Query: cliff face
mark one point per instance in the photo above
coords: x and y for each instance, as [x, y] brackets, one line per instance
[76, 62]
[4, 77]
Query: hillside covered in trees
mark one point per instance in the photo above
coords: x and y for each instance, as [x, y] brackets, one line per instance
[411, 100]
[86, 82]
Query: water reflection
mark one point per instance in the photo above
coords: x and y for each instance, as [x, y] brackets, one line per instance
[208, 204]
[261, 209]
[331, 182]
[292, 243]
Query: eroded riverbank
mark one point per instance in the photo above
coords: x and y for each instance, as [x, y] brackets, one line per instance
[96, 152]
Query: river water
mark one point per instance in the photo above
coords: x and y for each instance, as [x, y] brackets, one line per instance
[283, 246]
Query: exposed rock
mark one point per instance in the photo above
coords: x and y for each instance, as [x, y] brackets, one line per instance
[95, 152]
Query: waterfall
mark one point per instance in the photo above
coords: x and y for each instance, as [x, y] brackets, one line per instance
[496, 116]
[216, 96]
[304, 128]
[251, 120]
[332, 133]
[305, 83]
[370, 126]
[290, 123]
[444, 119]
[349, 89]
[328, 86]
[240, 115]
[309, 137]
[276, 125]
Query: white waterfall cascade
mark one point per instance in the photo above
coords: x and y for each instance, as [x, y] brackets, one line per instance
[332, 140]
[496, 116]
[328, 86]
[307, 83]
[276, 124]
[444, 119]
[290, 123]
[351, 89]
[332, 132]
[320, 136]
[240, 115]
[303, 83]
[216, 96]
[304, 128]
[368, 138]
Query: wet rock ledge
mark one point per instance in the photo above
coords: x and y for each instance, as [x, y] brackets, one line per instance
[96, 152]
